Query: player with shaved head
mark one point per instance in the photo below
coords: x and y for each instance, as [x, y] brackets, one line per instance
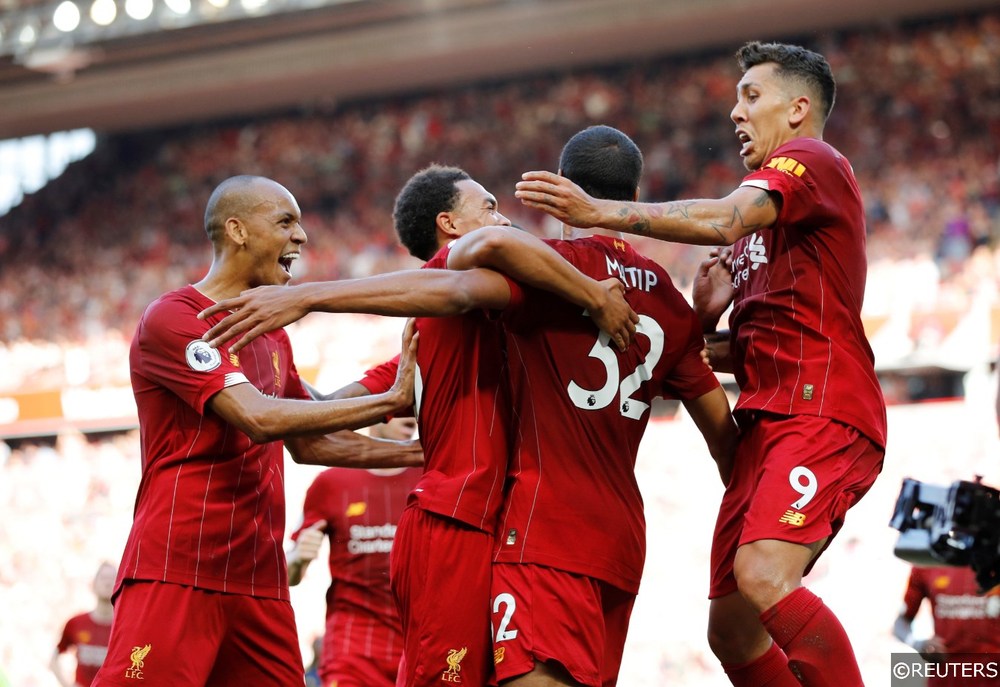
[202, 590]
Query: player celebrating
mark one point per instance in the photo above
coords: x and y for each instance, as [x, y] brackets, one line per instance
[810, 405]
[441, 555]
[571, 544]
[202, 593]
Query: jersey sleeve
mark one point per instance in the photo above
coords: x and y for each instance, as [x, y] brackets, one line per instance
[380, 378]
[528, 304]
[316, 505]
[66, 640]
[796, 172]
[173, 355]
[916, 592]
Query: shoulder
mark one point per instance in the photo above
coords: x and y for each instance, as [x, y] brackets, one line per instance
[174, 305]
[800, 155]
[440, 259]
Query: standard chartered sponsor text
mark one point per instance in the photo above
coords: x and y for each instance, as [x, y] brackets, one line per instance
[371, 538]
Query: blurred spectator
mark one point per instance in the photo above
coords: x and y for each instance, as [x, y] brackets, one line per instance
[965, 621]
[87, 633]
[920, 121]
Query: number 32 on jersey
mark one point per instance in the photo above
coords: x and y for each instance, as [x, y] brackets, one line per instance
[615, 386]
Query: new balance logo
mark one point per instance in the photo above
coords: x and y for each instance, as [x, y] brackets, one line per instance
[793, 518]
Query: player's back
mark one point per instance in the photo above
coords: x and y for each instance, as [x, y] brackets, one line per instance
[581, 409]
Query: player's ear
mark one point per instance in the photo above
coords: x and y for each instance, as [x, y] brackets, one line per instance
[445, 224]
[799, 110]
[236, 231]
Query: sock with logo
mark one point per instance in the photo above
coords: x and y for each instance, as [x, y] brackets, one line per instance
[818, 649]
[768, 670]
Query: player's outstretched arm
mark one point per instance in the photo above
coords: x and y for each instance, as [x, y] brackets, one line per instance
[266, 419]
[353, 450]
[705, 222]
[712, 416]
[530, 260]
[407, 293]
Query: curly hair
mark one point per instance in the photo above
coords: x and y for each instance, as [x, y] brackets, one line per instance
[427, 193]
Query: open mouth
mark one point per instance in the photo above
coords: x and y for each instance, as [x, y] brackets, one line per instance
[745, 141]
[286, 261]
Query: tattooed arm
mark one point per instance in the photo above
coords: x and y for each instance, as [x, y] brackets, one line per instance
[707, 222]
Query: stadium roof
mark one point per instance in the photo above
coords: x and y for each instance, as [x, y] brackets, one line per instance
[323, 51]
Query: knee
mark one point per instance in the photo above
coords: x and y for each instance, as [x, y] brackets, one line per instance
[763, 580]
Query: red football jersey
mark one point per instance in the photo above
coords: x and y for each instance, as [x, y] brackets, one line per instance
[90, 640]
[361, 510]
[967, 621]
[462, 410]
[210, 511]
[582, 408]
[799, 346]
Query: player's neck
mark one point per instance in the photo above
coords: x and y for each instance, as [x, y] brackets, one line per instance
[103, 613]
[220, 284]
[571, 233]
[386, 472]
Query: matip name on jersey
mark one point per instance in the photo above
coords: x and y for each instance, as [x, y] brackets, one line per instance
[633, 277]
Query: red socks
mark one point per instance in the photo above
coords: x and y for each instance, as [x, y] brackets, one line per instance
[770, 670]
[818, 649]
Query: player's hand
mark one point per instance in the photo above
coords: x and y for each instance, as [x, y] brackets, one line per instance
[614, 316]
[716, 352]
[255, 312]
[929, 647]
[559, 197]
[309, 541]
[403, 386]
[713, 287]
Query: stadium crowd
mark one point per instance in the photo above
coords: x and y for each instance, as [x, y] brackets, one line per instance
[918, 116]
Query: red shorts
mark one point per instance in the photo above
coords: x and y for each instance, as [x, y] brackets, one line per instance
[353, 670]
[439, 571]
[542, 614]
[172, 634]
[794, 479]
[359, 650]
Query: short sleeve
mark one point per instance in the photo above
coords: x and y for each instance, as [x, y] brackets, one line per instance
[795, 172]
[916, 592]
[172, 354]
[380, 378]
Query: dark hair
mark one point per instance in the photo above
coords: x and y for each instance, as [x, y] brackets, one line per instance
[604, 162]
[795, 62]
[428, 192]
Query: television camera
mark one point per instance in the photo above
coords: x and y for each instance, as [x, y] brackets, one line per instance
[952, 525]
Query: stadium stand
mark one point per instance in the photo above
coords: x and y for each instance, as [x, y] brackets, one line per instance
[918, 114]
